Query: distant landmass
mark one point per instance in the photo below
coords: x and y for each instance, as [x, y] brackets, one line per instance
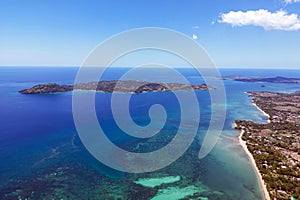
[128, 86]
[277, 79]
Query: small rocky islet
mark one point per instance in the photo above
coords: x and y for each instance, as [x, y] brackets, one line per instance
[127, 86]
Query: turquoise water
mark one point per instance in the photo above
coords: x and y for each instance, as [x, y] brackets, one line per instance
[42, 156]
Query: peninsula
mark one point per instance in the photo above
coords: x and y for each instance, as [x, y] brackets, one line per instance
[275, 146]
[127, 86]
[277, 79]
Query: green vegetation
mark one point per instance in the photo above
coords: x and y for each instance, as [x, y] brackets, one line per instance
[129, 86]
[275, 146]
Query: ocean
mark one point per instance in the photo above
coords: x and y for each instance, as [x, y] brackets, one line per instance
[42, 156]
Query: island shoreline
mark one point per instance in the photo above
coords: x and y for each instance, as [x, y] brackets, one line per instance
[258, 108]
[273, 147]
[250, 156]
[253, 163]
[112, 86]
[263, 112]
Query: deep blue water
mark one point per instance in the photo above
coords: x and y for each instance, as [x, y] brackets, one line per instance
[37, 132]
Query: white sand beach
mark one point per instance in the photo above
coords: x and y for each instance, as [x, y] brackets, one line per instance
[261, 181]
[267, 115]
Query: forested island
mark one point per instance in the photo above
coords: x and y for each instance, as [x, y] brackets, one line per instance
[275, 146]
[127, 86]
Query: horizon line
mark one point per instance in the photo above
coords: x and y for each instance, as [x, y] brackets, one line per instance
[74, 66]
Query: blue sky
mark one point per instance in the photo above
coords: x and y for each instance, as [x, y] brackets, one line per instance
[235, 33]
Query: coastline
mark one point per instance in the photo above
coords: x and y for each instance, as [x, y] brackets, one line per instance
[258, 108]
[269, 144]
[251, 158]
[264, 113]
[253, 163]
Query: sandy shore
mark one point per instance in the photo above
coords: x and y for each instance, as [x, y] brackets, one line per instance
[261, 181]
[263, 112]
[267, 115]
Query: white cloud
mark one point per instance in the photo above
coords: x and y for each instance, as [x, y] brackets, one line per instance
[279, 20]
[291, 1]
[195, 37]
